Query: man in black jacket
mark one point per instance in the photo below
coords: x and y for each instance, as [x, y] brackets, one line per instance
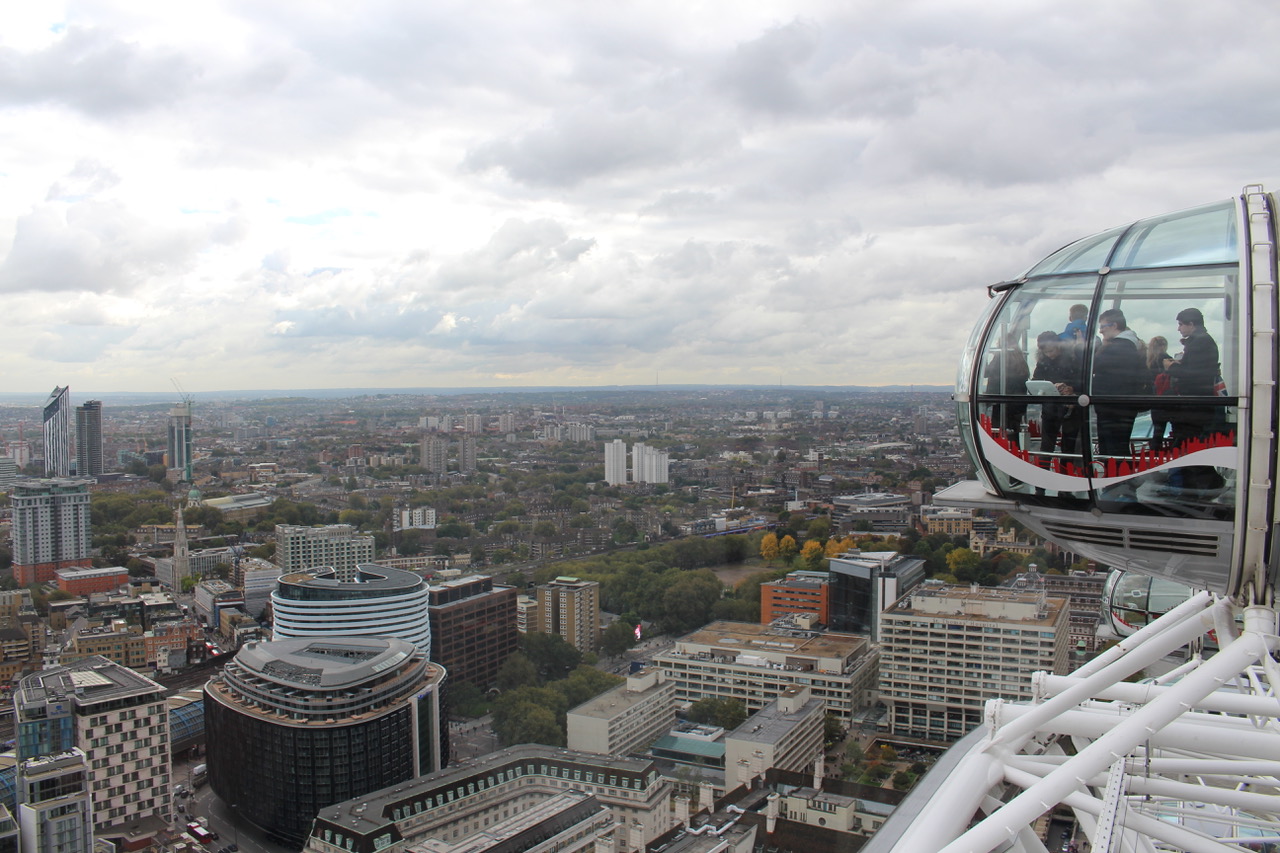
[1194, 375]
[1058, 363]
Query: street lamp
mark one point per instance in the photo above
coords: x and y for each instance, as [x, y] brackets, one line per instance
[235, 822]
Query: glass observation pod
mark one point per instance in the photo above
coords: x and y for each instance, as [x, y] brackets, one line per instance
[1119, 398]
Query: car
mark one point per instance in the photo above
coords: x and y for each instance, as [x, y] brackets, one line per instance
[213, 834]
[233, 847]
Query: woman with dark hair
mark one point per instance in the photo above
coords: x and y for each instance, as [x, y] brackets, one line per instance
[1058, 363]
[1161, 384]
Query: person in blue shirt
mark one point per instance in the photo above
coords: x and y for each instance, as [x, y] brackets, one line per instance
[1077, 323]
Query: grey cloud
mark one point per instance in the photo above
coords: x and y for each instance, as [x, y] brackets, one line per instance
[80, 343]
[93, 246]
[584, 144]
[767, 74]
[96, 72]
[681, 203]
[88, 177]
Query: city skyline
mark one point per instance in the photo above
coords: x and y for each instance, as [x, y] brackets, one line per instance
[243, 197]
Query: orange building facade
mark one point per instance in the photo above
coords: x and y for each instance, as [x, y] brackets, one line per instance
[796, 593]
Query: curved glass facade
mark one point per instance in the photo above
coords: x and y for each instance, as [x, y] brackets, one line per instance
[380, 602]
[1107, 389]
[295, 726]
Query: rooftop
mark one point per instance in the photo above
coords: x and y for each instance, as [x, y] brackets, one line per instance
[370, 812]
[324, 663]
[85, 682]
[749, 638]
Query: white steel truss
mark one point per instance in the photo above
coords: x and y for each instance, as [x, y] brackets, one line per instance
[1189, 761]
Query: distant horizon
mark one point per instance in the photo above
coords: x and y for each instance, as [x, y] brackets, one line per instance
[36, 398]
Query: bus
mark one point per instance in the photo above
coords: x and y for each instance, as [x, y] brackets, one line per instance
[199, 833]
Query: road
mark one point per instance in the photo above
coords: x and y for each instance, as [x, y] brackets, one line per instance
[203, 803]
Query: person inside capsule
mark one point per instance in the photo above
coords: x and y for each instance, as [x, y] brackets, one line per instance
[1058, 363]
[1119, 370]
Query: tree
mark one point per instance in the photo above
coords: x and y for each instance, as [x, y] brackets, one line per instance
[467, 700]
[819, 528]
[963, 563]
[812, 554]
[728, 714]
[787, 547]
[769, 547]
[516, 671]
[530, 715]
[550, 655]
[585, 682]
[617, 638]
[832, 730]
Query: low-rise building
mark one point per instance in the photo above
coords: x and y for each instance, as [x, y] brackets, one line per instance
[786, 734]
[459, 801]
[116, 641]
[89, 581]
[756, 663]
[798, 592]
[626, 718]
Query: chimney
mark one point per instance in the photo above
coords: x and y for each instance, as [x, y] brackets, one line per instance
[637, 836]
[705, 797]
[682, 810]
[819, 769]
[771, 813]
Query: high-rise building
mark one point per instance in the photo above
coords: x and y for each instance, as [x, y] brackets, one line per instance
[181, 445]
[473, 627]
[948, 649]
[374, 601]
[466, 455]
[473, 424]
[435, 454]
[863, 585]
[119, 719]
[615, 462]
[336, 546]
[51, 528]
[297, 725]
[506, 422]
[57, 433]
[55, 810]
[648, 464]
[570, 608]
[419, 517]
[89, 439]
[8, 471]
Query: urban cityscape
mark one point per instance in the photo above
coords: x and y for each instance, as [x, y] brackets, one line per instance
[295, 608]
[639, 428]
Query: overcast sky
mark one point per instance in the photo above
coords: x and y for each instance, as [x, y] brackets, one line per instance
[242, 194]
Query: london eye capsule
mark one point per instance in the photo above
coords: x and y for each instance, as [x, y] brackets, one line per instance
[1120, 398]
